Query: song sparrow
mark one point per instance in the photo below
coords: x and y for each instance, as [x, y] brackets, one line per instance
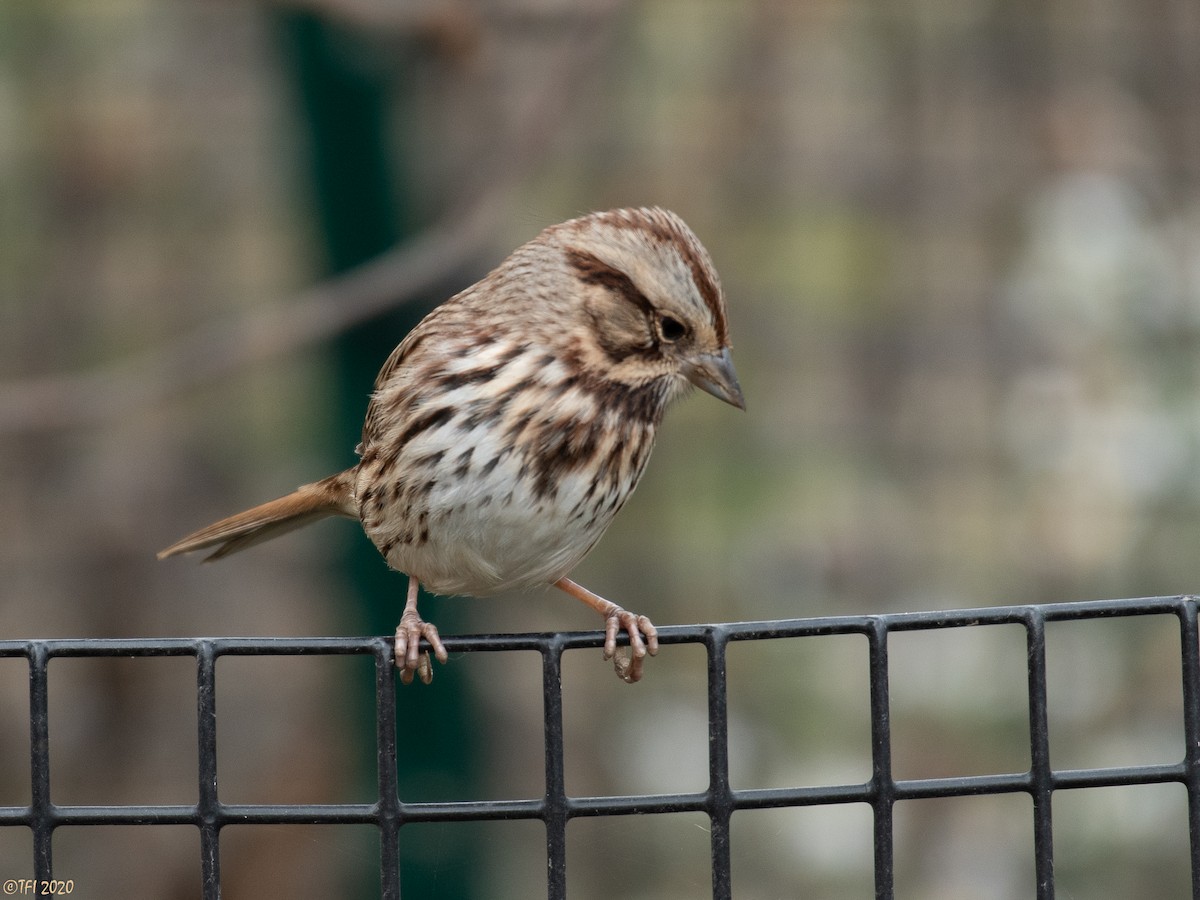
[509, 427]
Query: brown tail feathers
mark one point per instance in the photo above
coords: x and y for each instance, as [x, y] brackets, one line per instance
[329, 497]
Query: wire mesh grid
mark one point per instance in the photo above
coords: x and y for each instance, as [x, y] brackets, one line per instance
[389, 813]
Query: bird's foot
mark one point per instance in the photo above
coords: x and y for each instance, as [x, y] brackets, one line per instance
[628, 660]
[410, 659]
[628, 663]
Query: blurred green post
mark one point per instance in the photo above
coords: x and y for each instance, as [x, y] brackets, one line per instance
[351, 96]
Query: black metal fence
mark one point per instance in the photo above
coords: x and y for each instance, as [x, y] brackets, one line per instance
[388, 813]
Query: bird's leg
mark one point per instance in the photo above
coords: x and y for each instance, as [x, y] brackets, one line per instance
[617, 619]
[409, 658]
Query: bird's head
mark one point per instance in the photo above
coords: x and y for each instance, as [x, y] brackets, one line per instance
[648, 301]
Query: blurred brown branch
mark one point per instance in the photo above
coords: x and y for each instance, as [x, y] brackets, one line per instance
[233, 342]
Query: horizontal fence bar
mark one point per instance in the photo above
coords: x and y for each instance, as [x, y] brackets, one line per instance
[622, 804]
[576, 640]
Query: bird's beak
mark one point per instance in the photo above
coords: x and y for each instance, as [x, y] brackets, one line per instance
[713, 373]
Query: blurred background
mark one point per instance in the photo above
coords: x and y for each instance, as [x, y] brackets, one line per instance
[961, 247]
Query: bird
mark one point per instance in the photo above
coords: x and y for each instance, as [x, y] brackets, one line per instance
[510, 426]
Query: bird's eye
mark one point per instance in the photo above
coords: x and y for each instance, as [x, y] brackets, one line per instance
[671, 329]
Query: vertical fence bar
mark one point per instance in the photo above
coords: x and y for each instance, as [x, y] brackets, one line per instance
[556, 812]
[1190, 640]
[720, 796]
[1042, 786]
[389, 796]
[39, 761]
[881, 760]
[208, 806]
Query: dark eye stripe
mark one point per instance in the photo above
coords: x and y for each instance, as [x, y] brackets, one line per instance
[595, 271]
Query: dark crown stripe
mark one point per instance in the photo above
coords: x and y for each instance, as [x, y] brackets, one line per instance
[702, 273]
[709, 292]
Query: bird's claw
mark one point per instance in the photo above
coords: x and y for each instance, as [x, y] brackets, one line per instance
[628, 662]
[410, 659]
